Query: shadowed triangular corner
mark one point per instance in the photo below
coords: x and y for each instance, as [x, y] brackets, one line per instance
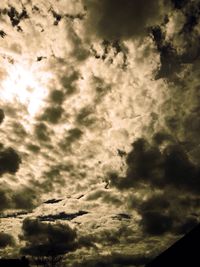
[185, 252]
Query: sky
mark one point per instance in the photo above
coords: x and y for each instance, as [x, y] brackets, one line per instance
[99, 127]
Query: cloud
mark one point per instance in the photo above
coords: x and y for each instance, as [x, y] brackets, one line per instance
[166, 212]
[52, 114]
[57, 97]
[111, 19]
[115, 259]
[2, 116]
[24, 198]
[148, 163]
[155, 223]
[47, 239]
[86, 116]
[164, 165]
[4, 199]
[42, 132]
[6, 240]
[9, 160]
[100, 97]
[62, 216]
[107, 197]
[179, 4]
[176, 40]
[71, 136]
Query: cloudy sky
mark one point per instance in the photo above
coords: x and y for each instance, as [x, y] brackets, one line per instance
[100, 121]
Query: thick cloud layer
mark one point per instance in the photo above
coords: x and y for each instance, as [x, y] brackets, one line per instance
[6, 240]
[118, 19]
[24, 198]
[9, 161]
[153, 165]
[96, 77]
[47, 239]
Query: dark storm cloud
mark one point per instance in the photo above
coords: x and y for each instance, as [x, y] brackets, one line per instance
[156, 215]
[156, 223]
[115, 19]
[168, 212]
[170, 62]
[185, 225]
[6, 240]
[190, 33]
[44, 239]
[147, 163]
[9, 160]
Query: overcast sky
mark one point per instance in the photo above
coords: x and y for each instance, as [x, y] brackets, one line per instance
[100, 121]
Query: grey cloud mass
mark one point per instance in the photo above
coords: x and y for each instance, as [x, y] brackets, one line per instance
[123, 19]
[9, 160]
[6, 240]
[43, 239]
[99, 128]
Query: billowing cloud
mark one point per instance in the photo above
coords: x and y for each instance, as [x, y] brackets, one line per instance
[9, 160]
[103, 87]
[6, 240]
[160, 167]
[2, 115]
[115, 259]
[24, 198]
[43, 239]
[123, 19]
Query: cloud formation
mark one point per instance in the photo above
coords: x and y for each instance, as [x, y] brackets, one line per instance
[96, 77]
[123, 19]
[6, 240]
[150, 164]
[9, 160]
[47, 239]
[24, 198]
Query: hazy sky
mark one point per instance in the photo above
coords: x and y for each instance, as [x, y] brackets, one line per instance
[100, 121]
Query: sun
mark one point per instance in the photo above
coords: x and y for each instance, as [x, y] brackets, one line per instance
[25, 84]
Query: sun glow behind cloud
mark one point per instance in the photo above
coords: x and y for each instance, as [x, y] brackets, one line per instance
[25, 84]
